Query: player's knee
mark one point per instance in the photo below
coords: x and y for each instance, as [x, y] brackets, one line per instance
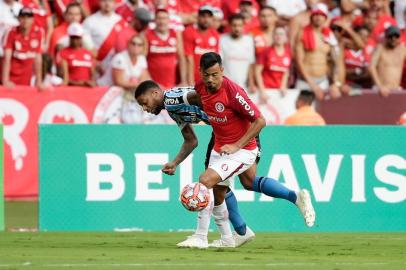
[246, 184]
[205, 181]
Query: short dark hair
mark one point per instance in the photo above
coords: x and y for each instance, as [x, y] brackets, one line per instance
[236, 16]
[268, 7]
[306, 96]
[73, 4]
[144, 87]
[210, 59]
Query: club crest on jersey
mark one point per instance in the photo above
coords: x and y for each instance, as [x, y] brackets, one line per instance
[34, 43]
[212, 41]
[224, 167]
[219, 107]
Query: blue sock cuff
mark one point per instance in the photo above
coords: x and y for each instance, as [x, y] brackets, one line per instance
[229, 194]
[256, 184]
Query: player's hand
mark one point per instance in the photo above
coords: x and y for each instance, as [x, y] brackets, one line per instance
[384, 91]
[169, 168]
[229, 149]
[335, 92]
[9, 84]
[40, 86]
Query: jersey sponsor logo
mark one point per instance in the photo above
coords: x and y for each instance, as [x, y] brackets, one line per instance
[162, 49]
[212, 41]
[199, 50]
[24, 55]
[219, 107]
[277, 68]
[245, 104]
[224, 167]
[171, 101]
[34, 43]
[218, 119]
[80, 63]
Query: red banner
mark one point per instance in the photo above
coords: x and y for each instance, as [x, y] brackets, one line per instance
[23, 108]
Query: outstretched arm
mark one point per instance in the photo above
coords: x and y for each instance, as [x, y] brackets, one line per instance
[189, 143]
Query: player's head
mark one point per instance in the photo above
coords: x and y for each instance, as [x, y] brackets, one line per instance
[305, 98]
[150, 97]
[211, 70]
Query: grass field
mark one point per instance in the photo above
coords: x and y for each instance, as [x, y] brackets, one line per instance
[39, 250]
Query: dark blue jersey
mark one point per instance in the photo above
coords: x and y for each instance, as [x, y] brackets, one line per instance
[179, 109]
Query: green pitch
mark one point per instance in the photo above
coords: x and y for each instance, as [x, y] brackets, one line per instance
[138, 250]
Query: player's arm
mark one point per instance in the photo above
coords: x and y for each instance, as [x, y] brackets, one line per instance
[6, 68]
[193, 98]
[189, 143]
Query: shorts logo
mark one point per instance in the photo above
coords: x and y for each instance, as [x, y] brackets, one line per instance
[219, 107]
[224, 167]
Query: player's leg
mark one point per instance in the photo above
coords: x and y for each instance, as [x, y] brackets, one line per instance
[234, 215]
[273, 188]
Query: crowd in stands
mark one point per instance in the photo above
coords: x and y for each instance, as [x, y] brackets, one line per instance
[329, 47]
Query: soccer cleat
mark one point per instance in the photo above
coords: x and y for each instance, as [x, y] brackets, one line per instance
[305, 206]
[194, 241]
[242, 239]
[223, 243]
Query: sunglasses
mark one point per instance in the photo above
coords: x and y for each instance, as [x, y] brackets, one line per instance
[393, 36]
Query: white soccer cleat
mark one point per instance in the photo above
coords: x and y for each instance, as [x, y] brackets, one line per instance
[242, 239]
[223, 243]
[194, 241]
[304, 203]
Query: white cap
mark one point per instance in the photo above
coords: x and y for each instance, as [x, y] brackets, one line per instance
[75, 29]
[320, 8]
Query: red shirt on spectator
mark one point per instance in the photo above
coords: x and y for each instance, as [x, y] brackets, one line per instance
[80, 63]
[125, 35]
[369, 49]
[230, 113]
[58, 33]
[24, 50]
[260, 41]
[197, 43]
[162, 58]
[230, 7]
[41, 14]
[274, 66]
[126, 11]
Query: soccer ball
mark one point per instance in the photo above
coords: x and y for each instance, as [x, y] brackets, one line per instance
[195, 197]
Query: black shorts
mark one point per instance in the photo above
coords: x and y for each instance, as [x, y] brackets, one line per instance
[211, 145]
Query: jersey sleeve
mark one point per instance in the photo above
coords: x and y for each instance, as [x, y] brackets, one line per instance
[242, 104]
[118, 62]
[9, 40]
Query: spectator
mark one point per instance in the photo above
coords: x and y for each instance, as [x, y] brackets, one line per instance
[353, 58]
[165, 52]
[60, 7]
[126, 9]
[104, 27]
[238, 54]
[22, 52]
[128, 68]
[387, 62]
[231, 7]
[248, 11]
[299, 21]
[199, 39]
[42, 18]
[9, 10]
[264, 32]
[315, 46]
[305, 114]
[176, 17]
[352, 61]
[75, 63]
[272, 69]
[142, 18]
[60, 37]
